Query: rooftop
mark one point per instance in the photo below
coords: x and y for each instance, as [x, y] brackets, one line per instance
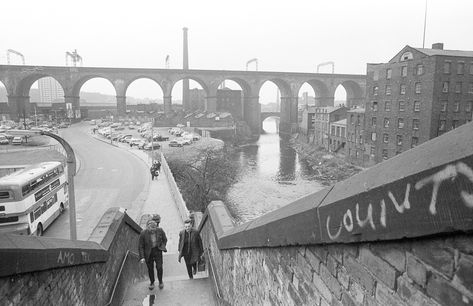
[341, 122]
[323, 109]
[356, 110]
[433, 52]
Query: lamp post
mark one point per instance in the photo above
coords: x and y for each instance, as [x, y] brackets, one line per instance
[71, 170]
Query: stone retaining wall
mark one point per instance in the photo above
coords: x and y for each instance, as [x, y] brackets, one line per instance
[175, 192]
[429, 271]
[49, 271]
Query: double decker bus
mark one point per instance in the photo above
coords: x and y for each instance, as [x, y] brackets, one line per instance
[32, 198]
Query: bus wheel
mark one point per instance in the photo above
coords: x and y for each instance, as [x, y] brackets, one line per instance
[39, 230]
[61, 208]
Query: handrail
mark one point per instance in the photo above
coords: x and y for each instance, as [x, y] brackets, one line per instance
[119, 275]
[213, 274]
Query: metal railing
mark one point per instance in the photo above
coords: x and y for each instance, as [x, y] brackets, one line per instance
[114, 298]
[217, 289]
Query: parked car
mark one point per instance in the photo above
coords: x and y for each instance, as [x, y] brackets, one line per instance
[116, 137]
[124, 137]
[17, 140]
[174, 130]
[175, 143]
[8, 136]
[160, 138]
[186, 140]
[136, 142]
[152, 146]
[4, 140]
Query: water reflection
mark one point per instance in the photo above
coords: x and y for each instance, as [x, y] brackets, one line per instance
[271, 175]
[287, 161]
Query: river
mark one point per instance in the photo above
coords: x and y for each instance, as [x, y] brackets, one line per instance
[271, 175]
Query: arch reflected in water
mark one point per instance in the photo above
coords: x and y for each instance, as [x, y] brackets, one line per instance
[271, 175]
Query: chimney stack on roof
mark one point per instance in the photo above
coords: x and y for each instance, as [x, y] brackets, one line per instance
[437, 46]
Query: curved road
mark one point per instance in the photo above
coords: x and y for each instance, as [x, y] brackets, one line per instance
[108, 177]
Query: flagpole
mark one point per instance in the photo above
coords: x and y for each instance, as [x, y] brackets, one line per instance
[425, 24]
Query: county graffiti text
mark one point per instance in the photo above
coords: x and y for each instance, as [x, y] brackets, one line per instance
[449, 173]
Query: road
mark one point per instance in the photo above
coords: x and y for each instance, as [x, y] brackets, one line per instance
[108, 177]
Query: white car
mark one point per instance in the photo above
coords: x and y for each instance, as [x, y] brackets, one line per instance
[17, 140]
[186, 140]
[4, 140]
[135, 142]
[176, 143]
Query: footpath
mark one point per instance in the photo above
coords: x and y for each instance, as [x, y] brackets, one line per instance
[178, 289]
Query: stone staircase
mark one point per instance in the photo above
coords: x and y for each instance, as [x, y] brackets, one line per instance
[178, 288]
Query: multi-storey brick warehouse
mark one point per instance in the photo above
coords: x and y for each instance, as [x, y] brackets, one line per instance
[355, 148]
[416, 96]
[323, 116]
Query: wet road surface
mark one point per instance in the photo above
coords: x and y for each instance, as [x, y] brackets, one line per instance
[108, 177]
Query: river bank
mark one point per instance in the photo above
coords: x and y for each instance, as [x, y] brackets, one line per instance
[329, 168]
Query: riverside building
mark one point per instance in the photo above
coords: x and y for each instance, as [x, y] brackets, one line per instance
[418, 95]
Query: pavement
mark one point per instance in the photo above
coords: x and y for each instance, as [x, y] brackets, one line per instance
[178, 288]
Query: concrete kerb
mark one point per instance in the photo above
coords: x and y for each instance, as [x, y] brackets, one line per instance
[103, 140]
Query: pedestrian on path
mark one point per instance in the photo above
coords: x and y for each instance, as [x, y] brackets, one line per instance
[155, 168]
[152, 244]
[190, 247]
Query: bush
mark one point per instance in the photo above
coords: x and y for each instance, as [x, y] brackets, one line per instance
[204, 178]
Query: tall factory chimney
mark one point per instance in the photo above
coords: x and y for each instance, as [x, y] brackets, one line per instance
[185, 82]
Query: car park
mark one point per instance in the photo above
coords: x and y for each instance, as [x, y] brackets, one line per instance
[17, 140]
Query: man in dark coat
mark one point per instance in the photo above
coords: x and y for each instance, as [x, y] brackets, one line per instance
[152, 243]
[190, 247]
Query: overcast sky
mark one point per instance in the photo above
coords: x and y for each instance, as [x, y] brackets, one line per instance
[291, 35]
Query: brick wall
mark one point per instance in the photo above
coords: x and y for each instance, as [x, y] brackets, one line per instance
[72, 279]
[430, 271]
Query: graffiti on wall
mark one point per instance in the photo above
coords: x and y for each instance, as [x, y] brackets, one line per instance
[420, 199]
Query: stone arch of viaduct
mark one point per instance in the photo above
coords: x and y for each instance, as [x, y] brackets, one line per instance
[19, 79]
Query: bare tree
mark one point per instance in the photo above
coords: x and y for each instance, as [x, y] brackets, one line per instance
[204, 178]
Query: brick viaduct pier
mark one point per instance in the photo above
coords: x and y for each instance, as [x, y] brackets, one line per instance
[18, 81]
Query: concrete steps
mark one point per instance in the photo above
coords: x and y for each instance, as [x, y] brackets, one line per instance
[178, 288]
[178, 292]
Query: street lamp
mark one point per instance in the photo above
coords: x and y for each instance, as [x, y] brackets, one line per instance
[71, 170]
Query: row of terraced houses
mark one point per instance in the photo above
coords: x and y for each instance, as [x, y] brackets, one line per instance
[419, 94]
